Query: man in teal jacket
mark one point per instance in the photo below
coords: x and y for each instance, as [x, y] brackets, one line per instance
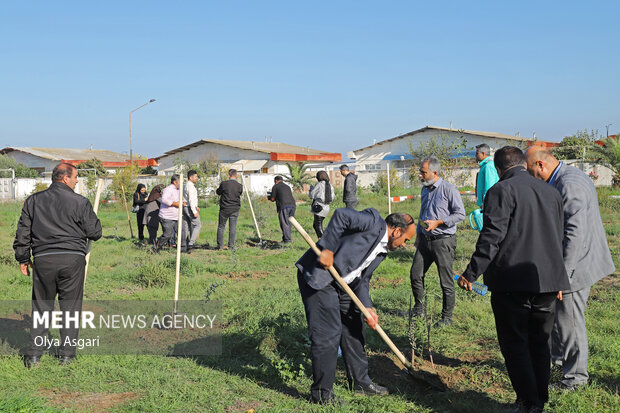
[487, 177]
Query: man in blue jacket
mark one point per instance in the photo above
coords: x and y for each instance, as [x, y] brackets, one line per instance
[487, 176]
[355, 243]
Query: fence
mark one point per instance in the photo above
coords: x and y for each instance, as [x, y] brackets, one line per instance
[259, 184]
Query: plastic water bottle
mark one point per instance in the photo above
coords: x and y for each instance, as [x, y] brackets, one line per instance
[478, 288]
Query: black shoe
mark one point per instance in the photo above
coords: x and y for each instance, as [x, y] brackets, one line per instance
[444, 322]
[65, 360]
[371, 389]
[561, 386]
[332, 401]
[32, 361]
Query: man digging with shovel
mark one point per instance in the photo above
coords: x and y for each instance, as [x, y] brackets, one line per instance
[355, 243]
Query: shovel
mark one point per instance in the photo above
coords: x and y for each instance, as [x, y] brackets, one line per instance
[426, 377]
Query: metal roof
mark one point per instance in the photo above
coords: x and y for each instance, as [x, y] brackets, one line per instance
[258, 146]
[57, 154]
[469, 132]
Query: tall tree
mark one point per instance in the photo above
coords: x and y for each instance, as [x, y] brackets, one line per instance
[297, 175]
[609, 155]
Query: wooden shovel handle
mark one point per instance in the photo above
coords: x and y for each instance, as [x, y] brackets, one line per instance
[348, 290]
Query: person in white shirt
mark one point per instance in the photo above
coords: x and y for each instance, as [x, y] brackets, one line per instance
[191, 213]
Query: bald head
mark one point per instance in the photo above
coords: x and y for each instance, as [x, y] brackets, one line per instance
[540, 162]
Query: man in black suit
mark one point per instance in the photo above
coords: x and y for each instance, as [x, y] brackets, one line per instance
[230, 203]
[355, 243]
[519, 251]
[282, 195]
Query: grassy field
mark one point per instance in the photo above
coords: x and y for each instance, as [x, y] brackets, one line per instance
[265, 363]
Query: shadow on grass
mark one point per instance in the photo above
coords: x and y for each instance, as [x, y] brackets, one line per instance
[267, 357]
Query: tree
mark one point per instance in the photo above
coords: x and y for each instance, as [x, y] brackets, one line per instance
[21, 170]
[578, 146]
[125, 177]
[297, 175]
[609, 155]
[91, 180]
[206, 168]
[449, 151]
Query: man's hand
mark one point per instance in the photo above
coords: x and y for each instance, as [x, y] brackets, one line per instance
[326, 259]
[374, 320]
[464, 284]
[25, 268]
[196, 215]
[433, 224]
[559, 295]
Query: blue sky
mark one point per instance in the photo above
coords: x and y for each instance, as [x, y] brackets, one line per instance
[329, 75]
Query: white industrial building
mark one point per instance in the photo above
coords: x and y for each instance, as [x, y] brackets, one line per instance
[249, 156]
[397, 150]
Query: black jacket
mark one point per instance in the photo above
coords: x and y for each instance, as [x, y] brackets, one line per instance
[350, 188]
[283, 195]
[520, 246]
[230, 195]
[352, 236]
[55, 220]
[140, 199]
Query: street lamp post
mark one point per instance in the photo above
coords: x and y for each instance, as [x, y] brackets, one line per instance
[130, 143]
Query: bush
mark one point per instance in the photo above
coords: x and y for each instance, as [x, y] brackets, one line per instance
[126, 178]
[154, 274]
[38, 187]
[21, 170]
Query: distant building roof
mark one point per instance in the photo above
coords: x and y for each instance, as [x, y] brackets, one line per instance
[469, 132]
[75, 156]
[277, 150]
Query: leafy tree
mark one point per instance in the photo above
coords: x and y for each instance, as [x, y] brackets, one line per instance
[572, 147]
[149, 170]
[39, 186]
[297, 175]
[125, 177]
[21, 170]
[449, 151]
[609, 155]
[206, 169]
[92, 164]
[91, 181]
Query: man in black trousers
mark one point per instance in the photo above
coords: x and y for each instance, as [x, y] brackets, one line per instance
[230, 203]
[355, 243]
[55, 226]
[282, 195]
[519, 251]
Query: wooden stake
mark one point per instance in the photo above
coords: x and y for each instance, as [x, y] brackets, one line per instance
[247, 194]
[179, 233]
[95, 209]
[389, 193]
[127, 211]
[356, 300]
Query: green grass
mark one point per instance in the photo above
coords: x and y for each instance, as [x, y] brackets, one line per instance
[265, 363]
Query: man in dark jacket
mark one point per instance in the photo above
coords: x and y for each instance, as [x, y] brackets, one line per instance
[355, 243]
[230, 203]
[519, 251]
[349, 195]
[282, 195]
[54, 227]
